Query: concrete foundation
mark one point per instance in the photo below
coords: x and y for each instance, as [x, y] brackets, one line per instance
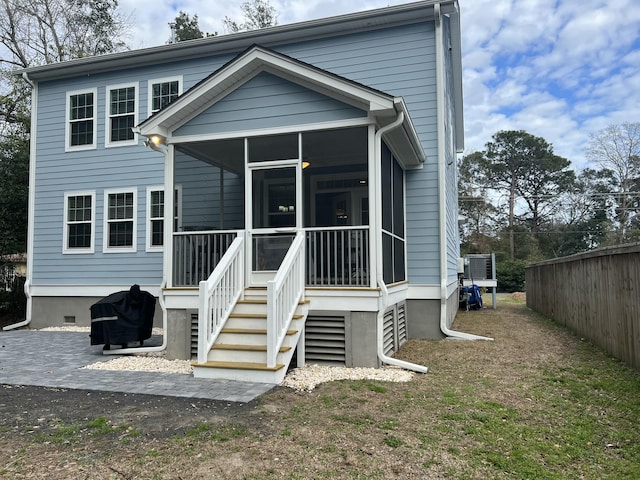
[423, 317]
[179, 334]
[67, 311]
[362, 328]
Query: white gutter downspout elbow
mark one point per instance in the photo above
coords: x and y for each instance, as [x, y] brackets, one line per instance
[163, 284]
[442, 187]
[384, 298]
[31, 205]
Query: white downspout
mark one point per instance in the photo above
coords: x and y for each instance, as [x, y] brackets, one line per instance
[442, 186]
[384, 298]
[31, 205]
[168, 208]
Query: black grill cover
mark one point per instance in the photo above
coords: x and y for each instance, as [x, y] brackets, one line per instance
[122, 317]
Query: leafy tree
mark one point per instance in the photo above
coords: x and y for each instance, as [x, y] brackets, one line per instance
[257, 14]
[617, 149]
[187, 28]
[477, 212]
[524, 166]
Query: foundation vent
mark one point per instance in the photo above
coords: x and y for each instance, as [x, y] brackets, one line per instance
[325, 340]
[194, 335]
[402, 324]
[388, 332]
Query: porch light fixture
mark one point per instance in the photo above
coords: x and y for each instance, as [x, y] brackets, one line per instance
[152, 140]
[305, 165]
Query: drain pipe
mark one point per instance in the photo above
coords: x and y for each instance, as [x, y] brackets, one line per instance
[383, 302]
[32, 198]
[155, 146]
[442, 188]
[27, 319]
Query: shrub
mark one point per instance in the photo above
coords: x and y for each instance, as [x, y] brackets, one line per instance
[510, 275]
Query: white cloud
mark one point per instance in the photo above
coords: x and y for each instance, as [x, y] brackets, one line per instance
[560, 69]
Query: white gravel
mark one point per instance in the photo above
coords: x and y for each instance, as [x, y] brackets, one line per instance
[303, 379]
[310, 376]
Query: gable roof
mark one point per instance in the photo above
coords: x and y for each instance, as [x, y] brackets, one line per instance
[383, 107]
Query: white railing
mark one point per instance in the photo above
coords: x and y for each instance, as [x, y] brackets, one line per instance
[196, 254]
[284, 293]
[338, 256]
[218, 296]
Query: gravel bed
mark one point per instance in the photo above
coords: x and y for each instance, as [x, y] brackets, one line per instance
[303, 379]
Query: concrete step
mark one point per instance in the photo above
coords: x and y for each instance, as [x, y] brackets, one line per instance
[240, 371]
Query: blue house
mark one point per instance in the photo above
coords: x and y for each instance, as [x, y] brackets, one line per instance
[285, 193]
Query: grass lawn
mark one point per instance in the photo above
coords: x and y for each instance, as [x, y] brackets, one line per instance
[536, 403]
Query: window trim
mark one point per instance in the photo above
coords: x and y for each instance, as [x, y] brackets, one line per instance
[107, 122]
[177, 216]
[155, 81]
[65, 241]
[105, 234]
[67, 121]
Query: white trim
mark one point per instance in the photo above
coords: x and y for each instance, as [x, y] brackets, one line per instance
[308, 127]
[67, 121]
[424, 292]
[82, 290]
[105, 239]
[149, 218]
[65, 228]
[156, 81]
[108, 143]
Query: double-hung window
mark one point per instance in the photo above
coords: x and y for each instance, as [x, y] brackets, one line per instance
[120, 220]
[162, 92]
[81, 125]
[79, 222]
[122, 115]
[155, 216]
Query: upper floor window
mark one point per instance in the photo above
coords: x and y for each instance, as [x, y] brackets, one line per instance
[81, 120]
[162, 92]
[122, 108]
[120, 220]
[79, 222]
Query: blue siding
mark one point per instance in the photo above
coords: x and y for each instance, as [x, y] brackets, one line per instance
[268, 101]
[398, 60]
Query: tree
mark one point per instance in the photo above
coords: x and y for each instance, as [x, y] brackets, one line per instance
[35, 32]
[524, 166]
[617, 149]
[186, 28]
[478, 214]
[257, 14]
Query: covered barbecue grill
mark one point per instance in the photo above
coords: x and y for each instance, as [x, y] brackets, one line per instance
[122, 318]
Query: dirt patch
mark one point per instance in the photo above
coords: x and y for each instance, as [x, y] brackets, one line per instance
[430, 427]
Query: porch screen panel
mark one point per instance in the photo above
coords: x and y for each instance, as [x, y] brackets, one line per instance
[387, 190]
[273, 147]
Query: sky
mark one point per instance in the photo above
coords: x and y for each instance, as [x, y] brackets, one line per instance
[558, 69]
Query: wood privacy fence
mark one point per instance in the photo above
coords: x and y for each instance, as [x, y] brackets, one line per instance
[595, 294]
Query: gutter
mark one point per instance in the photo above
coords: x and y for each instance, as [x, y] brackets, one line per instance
[31, 204]
[384, 298]
[442, 188]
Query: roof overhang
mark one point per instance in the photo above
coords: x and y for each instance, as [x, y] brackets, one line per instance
[380, 107]
[233, 43]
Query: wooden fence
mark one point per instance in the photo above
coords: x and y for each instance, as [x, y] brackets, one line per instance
[595, 294]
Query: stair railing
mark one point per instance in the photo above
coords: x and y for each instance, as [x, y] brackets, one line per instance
[284, 293]
[218, 296]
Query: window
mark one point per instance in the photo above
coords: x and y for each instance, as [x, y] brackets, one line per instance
[155, 216]
[79, 222]
[122, 107]
[120, 221]
[81, 122]
[162, 92]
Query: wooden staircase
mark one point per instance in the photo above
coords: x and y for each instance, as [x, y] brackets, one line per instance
[240, 351]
